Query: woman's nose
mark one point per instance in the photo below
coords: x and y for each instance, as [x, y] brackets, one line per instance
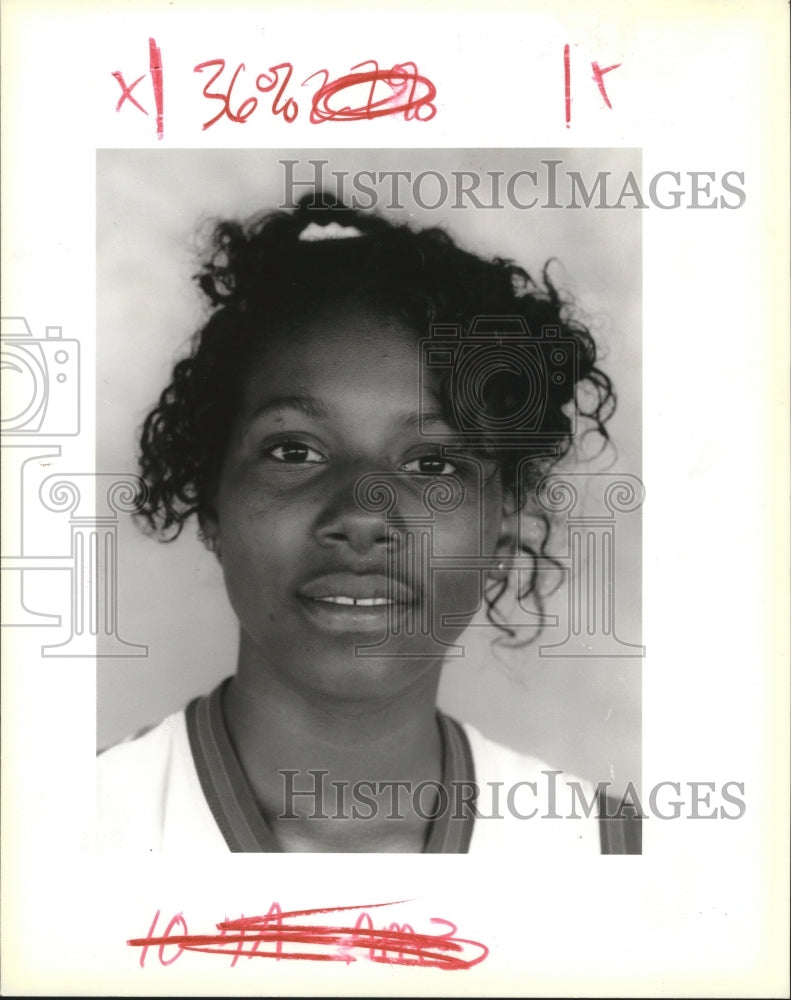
[347, 518]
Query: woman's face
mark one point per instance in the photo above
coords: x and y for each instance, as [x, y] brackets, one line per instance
[337, 562]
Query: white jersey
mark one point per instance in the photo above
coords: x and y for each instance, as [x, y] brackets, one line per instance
[179, 787]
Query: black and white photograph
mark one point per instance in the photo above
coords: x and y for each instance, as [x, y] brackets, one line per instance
[333, 567]
[394, 534]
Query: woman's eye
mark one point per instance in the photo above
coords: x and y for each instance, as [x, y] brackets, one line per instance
[295, 453]
[430, 465]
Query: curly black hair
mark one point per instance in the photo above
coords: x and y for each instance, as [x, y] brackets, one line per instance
[265, 274]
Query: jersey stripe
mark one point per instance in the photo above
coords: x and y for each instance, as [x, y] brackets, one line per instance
[451, 831]
[620, 826]
[230, 797]
[227, 791]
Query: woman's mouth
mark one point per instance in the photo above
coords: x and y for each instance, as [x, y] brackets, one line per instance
[360, 602]
[356, 602]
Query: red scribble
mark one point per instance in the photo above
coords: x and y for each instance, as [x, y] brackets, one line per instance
[598, 76]
[155, 63]
[277, 935]
[401, 86]
[369, 92]
[567, 73]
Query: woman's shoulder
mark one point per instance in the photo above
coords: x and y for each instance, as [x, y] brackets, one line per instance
[149, 793]
[143, 748]
[495, 760]
[524, 803]
[133, 778]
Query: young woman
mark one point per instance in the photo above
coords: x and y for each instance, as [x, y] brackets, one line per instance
[357, 428]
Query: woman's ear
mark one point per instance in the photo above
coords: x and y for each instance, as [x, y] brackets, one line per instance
[209, 532]
[505, 548]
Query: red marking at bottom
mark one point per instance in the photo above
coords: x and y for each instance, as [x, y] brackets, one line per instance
[274, 935]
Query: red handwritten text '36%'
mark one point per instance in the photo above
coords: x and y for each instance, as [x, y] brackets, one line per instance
[364, 93]
[302, 935]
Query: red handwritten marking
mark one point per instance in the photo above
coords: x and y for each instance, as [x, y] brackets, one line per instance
[598, 79]
[406, 92]
[598, 76]
[401, 78]
[275, 935]
[155, 63]
[126, 92]
[245, 109]
[289, 108]
[155, 66]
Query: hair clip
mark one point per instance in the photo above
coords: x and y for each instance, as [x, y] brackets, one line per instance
[313, 232]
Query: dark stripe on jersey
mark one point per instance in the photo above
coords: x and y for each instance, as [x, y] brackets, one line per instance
[227, 791]
[620, 827]
[230, 797]
[451, 831]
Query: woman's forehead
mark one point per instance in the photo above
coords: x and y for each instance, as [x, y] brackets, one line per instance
[339, 352]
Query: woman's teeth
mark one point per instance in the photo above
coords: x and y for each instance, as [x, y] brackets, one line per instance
[365, 602]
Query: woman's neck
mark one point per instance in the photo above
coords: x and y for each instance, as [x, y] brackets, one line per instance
[284, 734]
